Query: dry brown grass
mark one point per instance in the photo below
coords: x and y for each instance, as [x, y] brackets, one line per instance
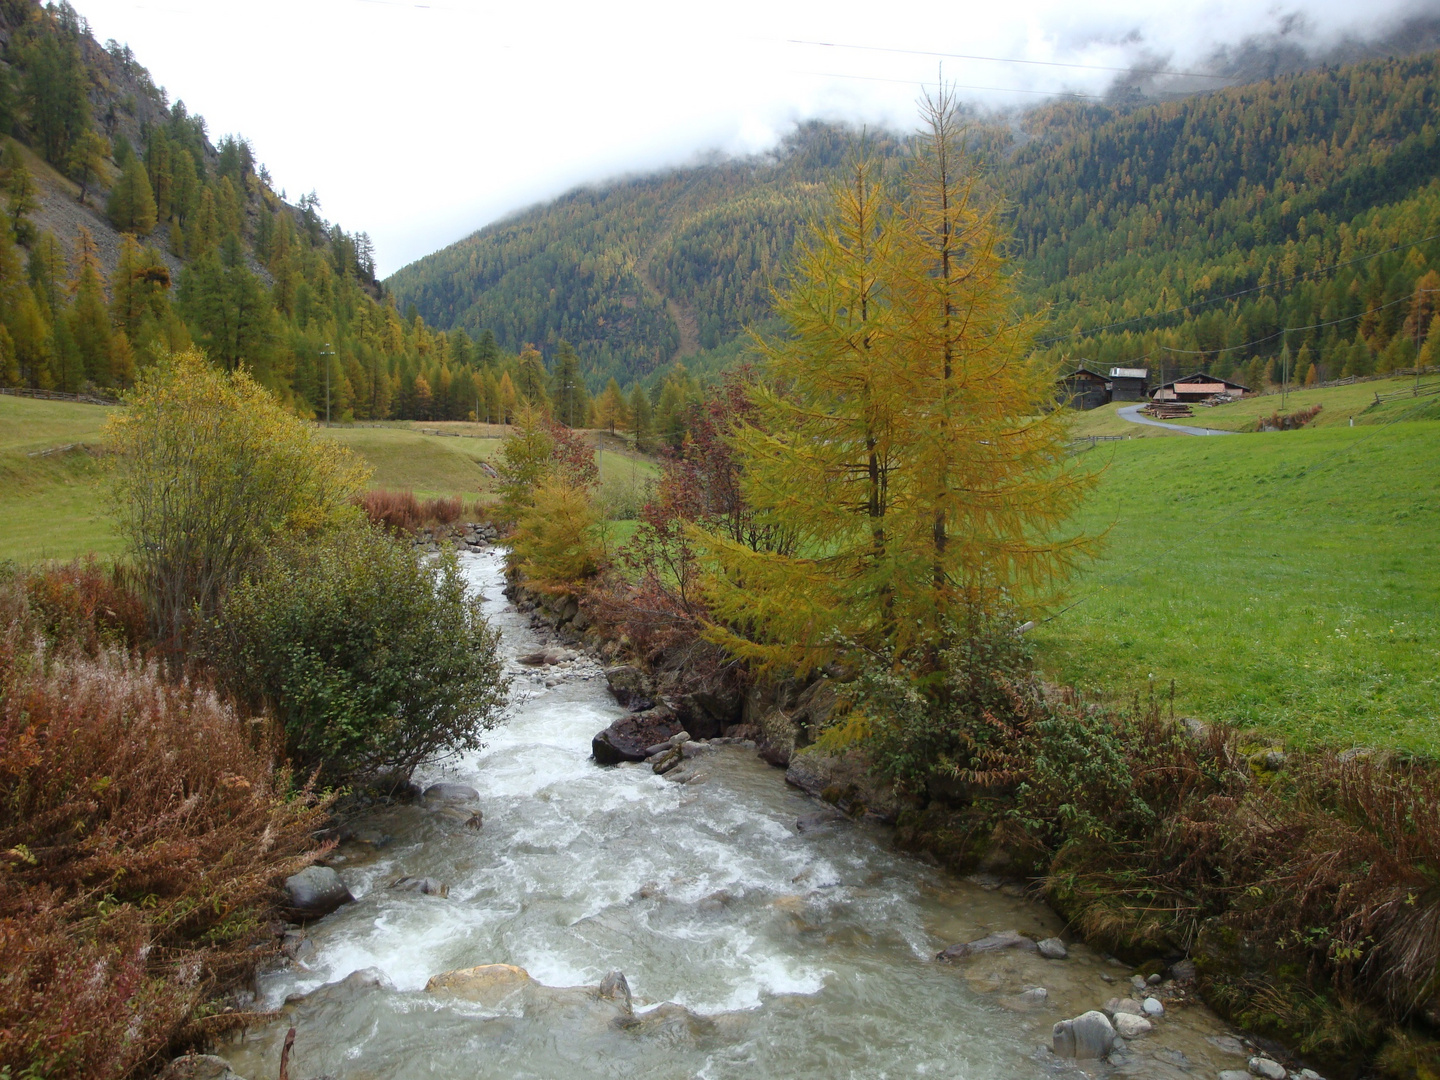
[144, 830]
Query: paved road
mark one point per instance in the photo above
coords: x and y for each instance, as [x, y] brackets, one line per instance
[1132, 413]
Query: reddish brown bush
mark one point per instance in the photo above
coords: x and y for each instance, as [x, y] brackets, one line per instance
[441, 511]
[144, 833]
[86, 605]
[397, 511]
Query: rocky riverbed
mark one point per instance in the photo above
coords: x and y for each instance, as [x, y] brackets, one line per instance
[688, 914]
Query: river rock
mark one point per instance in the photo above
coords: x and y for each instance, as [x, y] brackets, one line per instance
[1153, 1007]
[1267, 1069]
[1001, 939]
[844, 779]
[1234, 1074]
[296, 946]
[199, 1067]
[1227, 1044]
[425, 886]
[1052, 948]
[1087, 1037]
[490, 985]
[631, 687]
[448, 794]
[1183, 972]
[820, 819]
[1129, 1026]
[615, 987]
[659, 748]
[1123, 1005]
[629, 737]
[1036, 995]
[316, 890]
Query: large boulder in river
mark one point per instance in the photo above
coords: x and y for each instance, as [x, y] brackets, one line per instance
[631, 686]
[843, 779]
[316, 891]
[1088, 1037]
[631, 736]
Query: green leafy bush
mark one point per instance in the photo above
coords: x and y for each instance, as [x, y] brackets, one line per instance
[372, 659]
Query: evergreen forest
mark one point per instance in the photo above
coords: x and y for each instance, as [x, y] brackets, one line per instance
[185, 241]
[1184, 235]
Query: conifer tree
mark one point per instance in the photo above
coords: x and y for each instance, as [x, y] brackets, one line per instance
[568, 394]
[21, 193]
[509, 398]
[610, 409]
[131, 206]
[530, 379]
[903, 436]
[86, 160]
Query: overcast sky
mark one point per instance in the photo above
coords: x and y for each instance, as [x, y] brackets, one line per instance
[420, 122]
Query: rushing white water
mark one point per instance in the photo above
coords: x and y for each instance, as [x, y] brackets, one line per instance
[799, 955]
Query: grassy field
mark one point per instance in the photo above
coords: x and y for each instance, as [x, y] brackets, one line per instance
[1341, 403]
[1289, 582]
[53, 507]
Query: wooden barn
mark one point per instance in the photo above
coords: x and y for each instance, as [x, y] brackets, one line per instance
[1199, 387]
[1083, 389]
[1129, 383]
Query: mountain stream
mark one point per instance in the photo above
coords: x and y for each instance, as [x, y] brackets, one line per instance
[782, 953]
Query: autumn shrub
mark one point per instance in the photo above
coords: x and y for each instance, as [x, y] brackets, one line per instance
[398, 511]
[213, 469]
[144, 832]
[555, 543]
[372, 658]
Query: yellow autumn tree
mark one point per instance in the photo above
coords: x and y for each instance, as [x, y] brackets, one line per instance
[212, 470]
[903, 432]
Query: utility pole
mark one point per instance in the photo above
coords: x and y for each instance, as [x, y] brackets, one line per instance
[327, 351]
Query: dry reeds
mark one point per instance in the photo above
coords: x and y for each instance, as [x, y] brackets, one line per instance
[402, 512]
[144, 832]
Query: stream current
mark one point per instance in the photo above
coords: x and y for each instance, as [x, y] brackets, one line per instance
[796, 954]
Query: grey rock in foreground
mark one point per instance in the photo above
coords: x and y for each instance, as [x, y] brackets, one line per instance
[1052, 948]
[1130, 1026]
[425, 886]
[1087, 1037]
[1268, 1069]
[1001, 939]
[447, 794]
[316, 890]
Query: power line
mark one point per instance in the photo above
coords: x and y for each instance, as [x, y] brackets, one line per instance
[1299, 329]
[956, 86]
[1241, 292]
[1004, 59]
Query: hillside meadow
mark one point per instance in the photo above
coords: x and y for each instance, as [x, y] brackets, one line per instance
[53, 506]
[1288, 582]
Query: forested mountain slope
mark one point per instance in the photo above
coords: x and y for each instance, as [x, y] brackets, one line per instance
[1151, 216]
[127, 232]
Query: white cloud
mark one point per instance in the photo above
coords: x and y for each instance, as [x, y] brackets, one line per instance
[419, 122]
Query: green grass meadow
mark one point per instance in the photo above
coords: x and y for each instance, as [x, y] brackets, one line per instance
[53, 506]
[1288, 582]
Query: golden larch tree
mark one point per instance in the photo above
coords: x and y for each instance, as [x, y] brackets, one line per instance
[904, 433]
